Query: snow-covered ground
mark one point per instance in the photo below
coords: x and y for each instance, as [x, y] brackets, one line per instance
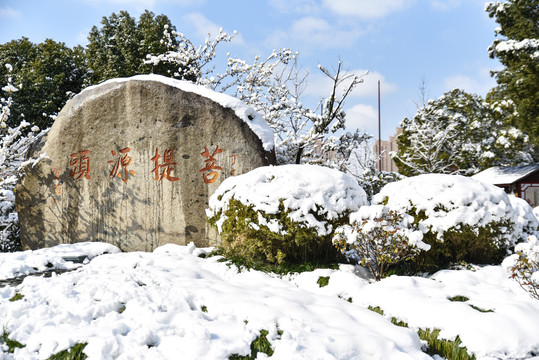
[173, 304]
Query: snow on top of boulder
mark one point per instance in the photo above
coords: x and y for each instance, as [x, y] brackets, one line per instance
[448, 200]
[253, 119]
[304, 190]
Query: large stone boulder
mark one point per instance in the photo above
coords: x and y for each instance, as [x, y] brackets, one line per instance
[133, 161]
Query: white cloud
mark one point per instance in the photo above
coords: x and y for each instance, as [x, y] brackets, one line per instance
[312, 33]
[443, 5]
[479, 84]
[8, 12]
[362, 117]
[141, 5]
[300, 6]
[366, 9]
[370, 85]
[319, 85]
[319, 32]
[203, 26]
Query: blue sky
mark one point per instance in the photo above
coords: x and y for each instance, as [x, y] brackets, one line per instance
[401, 42]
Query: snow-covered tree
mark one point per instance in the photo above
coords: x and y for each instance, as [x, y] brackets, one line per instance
[517, 48]
[273, 86]
[14, 145]
[460, 134]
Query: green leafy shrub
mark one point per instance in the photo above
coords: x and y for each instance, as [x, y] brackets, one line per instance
[459, 219]
[260, 344]
[525, 266]
[11, 344]
[75, 353]
[377, 243]
[448, 349]
[323, 281]
[244, 238]
[462, 244]
[283, 215]
[16, 297]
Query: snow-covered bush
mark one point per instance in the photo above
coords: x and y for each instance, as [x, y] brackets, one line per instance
[526, 221]
[379, 238]
[525, 265]
[463, 220]
[286, 213]
[14, 145]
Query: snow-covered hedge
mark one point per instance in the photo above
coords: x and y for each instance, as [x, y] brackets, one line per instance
[283, 213]
[461, 218]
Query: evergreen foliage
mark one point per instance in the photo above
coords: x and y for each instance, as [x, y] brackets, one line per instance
[247, 237]
[517, 48]
[461, 244]
[119, 47]
[47, 75]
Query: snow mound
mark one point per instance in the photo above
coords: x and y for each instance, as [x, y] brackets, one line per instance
[28, 262]
[254, 120]
[171, 304]
[449, 200]
[304, 190]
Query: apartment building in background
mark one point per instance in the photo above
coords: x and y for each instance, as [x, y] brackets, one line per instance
[386, 147]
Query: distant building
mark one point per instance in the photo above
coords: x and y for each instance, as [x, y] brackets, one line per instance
[521, 181]
[386, 148]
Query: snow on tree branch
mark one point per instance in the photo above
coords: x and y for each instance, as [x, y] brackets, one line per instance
[273, 86]
[14, 145]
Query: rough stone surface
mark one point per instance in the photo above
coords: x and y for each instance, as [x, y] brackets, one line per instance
[133, 164]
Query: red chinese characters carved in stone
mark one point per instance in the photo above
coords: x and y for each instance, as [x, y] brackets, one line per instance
[119, 169]
[167, 165]
[56, 182]
[80, 165]
[235, 158]
[212, 175]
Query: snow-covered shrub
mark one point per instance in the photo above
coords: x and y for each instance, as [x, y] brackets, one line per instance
[525, 265]
[379, 238]
[463, 220]
[286, 213]
[14, 145]
[526, 221]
